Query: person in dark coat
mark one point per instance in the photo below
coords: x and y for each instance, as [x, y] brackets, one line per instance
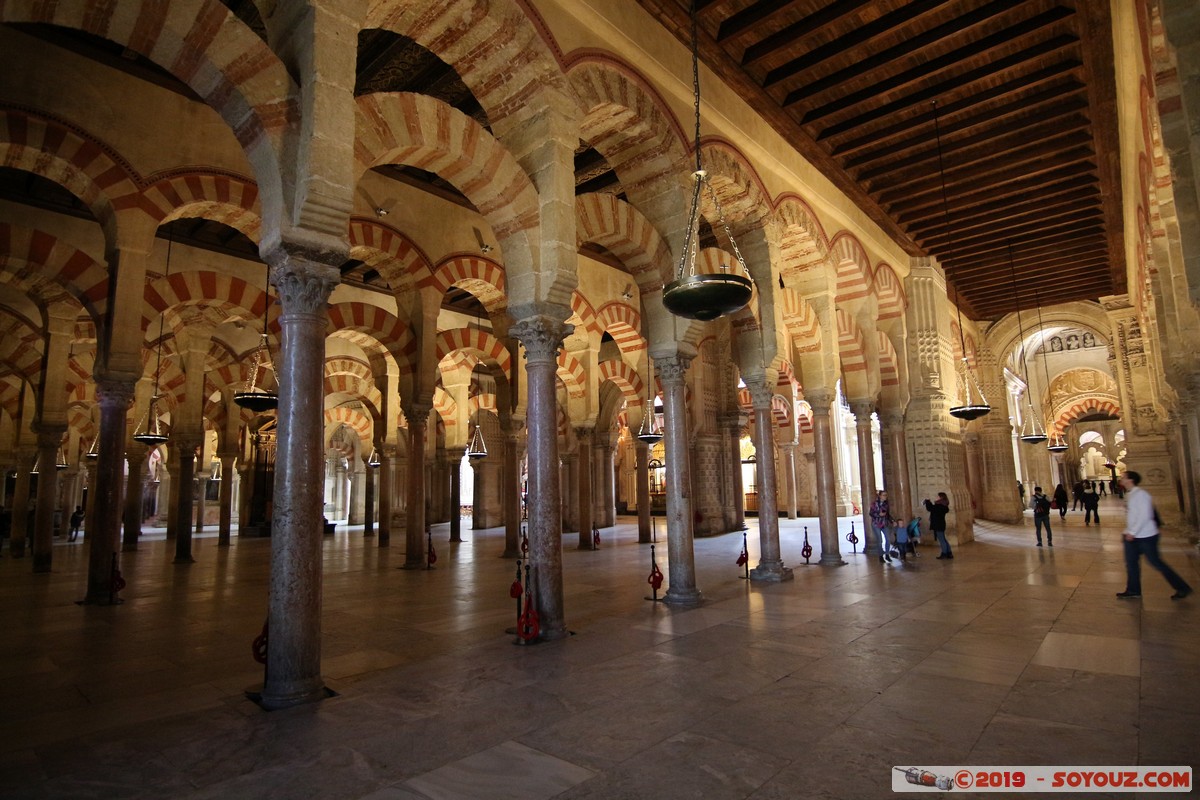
[1091, 505]
[937, 522]
[1060, 499]
[1041, 516]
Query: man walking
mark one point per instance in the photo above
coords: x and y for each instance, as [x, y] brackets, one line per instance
[1041, 516]
[1141, 539]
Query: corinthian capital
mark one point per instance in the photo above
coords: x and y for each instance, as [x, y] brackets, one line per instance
[542, 337]
[672, 370]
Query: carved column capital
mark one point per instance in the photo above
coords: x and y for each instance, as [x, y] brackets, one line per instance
[542, 337]
[731, 420]
[820, 400]
[862, 410]
[672, 370]
[892, 419]
[112, 393]
[760, 395]
[417, 412]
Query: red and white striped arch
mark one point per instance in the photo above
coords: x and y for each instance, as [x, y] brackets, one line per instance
[446, 408]
[378, 332]
[584, 315]
[889, 362]
[803, 244]
[1087, 407]
[889, 292]
[483, 401]
[572, 374]
[51, 270]
[481, 344]
[480, 276]
[225, 296]
[625, 378]
[624, 324]
[851, 345]
[352, 418]
[804, 416]
[801, 322]
[853, 267]
[621, 229]
[219, 196]
[388, 251]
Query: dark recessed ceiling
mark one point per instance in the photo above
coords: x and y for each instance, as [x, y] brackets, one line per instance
[1025, 99]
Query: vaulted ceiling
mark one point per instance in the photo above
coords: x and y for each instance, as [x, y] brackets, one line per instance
[1021, 94]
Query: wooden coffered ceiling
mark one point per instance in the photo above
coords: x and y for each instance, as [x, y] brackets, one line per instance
[1026, 106]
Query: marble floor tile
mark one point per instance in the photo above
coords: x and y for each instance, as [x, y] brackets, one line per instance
[814, 688]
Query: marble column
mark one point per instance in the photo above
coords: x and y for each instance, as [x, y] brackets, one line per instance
[570, 491]
[358, 502]
[512, 493]
[862, 410]
[417, 414]
[201, 484]
[183, 497]
[583, 465]
[114, 397]
[542, 336]
[387, 471]
[672, 371]
[135, 456]
[340, 506]
[293, 673]
[642, 476]
[821, 400]
[369, 480]
[225, 499]
[49, 439]
[602, 471]
[454, 457]
[789, 478]
[731, 422]
[770, 567]
[896, 465]
[19, 532]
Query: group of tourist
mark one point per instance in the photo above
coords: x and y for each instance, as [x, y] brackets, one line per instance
[896, 536]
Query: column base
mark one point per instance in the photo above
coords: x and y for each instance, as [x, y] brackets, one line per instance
[690, 597]
[184, 560]
[771, 572]
[418, 565]
[277, 702]
[832, 560]
[511, 554]
[553, 635]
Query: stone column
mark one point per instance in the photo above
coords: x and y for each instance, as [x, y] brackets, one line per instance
[770, 565]
[997, 494]
[201, 489]
[512, 492]
[369, 481]
[583, 465]
[358, 502]
[542, 336]
[896, 465]
[135, 455]
[19, 533]
[49, 439]
[821, 400]
[862, 410]
[184, 505]
[454, 457]
[341, 507]
[114, 397]
[642, 469]
[672, 371]
[479, 515]
[225, 524]
[417, 414]
[605, 501]
[293, 673]
[387, 469]
[732, 423]
[789, 478]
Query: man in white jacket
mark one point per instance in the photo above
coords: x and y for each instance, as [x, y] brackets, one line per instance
[1141, 539]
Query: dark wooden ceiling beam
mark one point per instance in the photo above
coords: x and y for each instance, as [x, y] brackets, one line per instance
[1028, 216]
[911, 48]
[1082, 276]
[1019, 228]
[1026, 259]
[961, 83]
[981, 252]
[932, 220]
[787, 37]
[745, 20]
[929, 205]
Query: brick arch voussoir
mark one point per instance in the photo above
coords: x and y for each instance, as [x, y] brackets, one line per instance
[481, 344]
[204, 45]
[587, 315]
[624, 378]
[219, 196]
[232, 297]
[52, 270]
[380, 333]
[889, 291]
[1084, 408]
[803, 243]
[352, 418]
[619, 227]
[419, 131]
[572, 374]
[622, 321]
[889, 361]
[482, 277]
[853, 267]
[397, 258]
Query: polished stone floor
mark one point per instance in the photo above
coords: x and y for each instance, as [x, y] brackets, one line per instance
[1007, 655]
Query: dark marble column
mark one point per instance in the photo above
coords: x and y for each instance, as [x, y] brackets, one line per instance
[49, 439]
[642, 478]
[732, 423]
[19, 533]
[770, 565]
[225, 499]
[387, 481]
[369, 481]
[896, 451]
[454, 457]
[862, 410]
[789, 478]
[584, 504]
[512, 493]
[417, 414]
[682, 561]
[820, 400]
[182, 491]
[479, 515]
[114, 397]
[542, 336]
[293, 673]
[135, 455]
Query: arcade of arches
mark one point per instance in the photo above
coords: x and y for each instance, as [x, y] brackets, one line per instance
[487, 252]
